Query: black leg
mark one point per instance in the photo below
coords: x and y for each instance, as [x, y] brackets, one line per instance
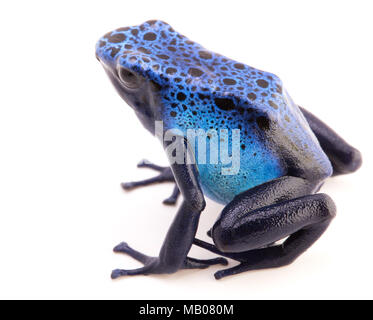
[123, 247]
[165, 175]
[344, 158]
[180, 236]
[173, 198]
[189, 263]
[254, 220]
[268, 193]
[147, 164]
[304, 219]
[192, 263]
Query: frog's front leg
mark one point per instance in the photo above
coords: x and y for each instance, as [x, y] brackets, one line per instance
[165, 175]
[180, 236]
[151, 262]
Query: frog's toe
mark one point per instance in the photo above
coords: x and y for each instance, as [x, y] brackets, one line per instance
[142, 183]
[123, 247]
[171, 200]
[147, 164]
[117, 273]
[128, 185]
[231, 271]
[150, 263]
[165, 175]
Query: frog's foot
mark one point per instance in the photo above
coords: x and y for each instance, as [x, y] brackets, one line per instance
[153, 266]
[171, 200]
[123, 247]
[149, 262]
[165, 175]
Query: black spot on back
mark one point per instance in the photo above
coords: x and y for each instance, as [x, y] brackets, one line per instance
[171, 71]
[272, 104]
[239, 66]
[114, 51]
[262, 83]
[205, 54]
[262, 122]
[251, 96]
[194, 72]
[229, 82]
[278, 88]
[224, 104]
[202, 96]
[150, 36]
[115, 38]
[144, 50]
[151, 22]
[163, 56]
[181, 96]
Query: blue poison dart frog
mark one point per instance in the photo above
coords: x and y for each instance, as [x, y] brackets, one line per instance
[285, 152]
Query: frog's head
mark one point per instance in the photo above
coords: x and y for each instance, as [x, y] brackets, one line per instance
[151, 66]
[125, 59]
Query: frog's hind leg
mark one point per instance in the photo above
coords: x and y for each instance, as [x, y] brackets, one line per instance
[344, 158]
[192, 263]
[280, 209]
[209, 234]
[165, 175]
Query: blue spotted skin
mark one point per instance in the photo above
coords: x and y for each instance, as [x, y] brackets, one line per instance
[192, 87]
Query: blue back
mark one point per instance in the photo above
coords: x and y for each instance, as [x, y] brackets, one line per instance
[202, 89]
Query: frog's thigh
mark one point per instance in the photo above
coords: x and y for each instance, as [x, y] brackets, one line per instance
[265, 214]
[244, 224]
[344, 158]
[305, 219]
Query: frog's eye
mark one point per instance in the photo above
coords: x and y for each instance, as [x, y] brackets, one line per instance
[128, 78]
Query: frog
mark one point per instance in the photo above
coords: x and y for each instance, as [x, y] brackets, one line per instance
[273, 210]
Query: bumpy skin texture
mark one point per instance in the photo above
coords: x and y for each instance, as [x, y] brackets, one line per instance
[166, 77]
[202, 89]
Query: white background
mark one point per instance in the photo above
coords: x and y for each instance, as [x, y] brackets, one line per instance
[68, 140]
